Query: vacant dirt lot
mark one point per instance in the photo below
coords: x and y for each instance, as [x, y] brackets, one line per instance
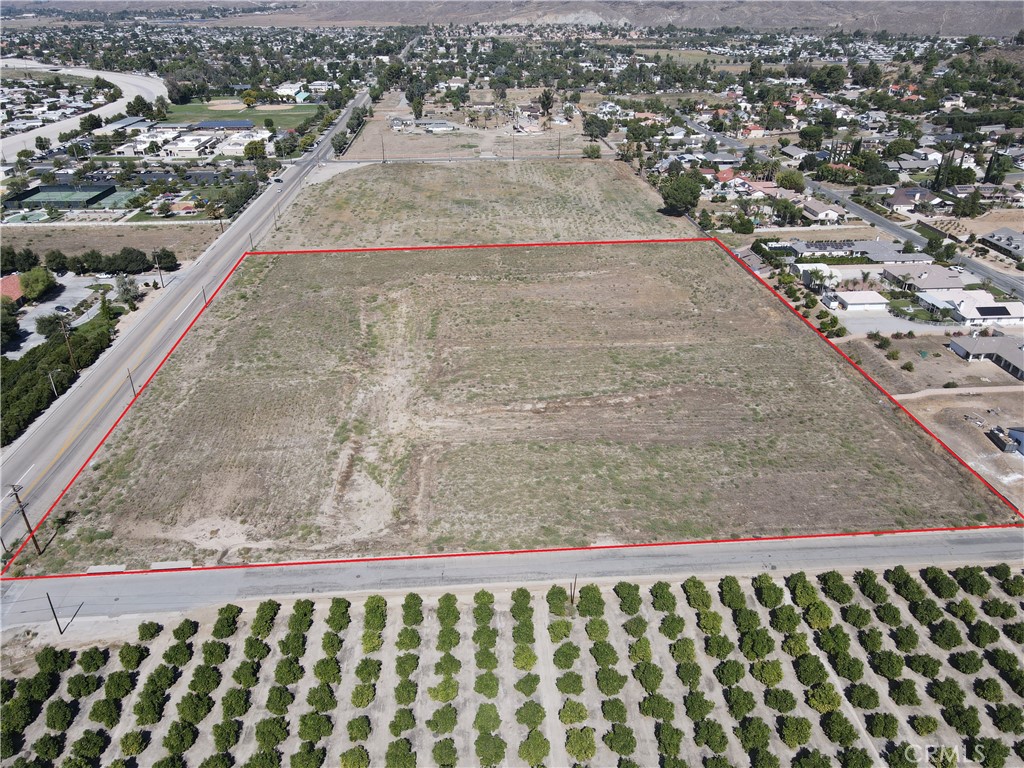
[186, 240]
[500, 398]
[477, 203]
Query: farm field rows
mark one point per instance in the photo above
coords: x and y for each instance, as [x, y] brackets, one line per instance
[452, 400]
[854, 670]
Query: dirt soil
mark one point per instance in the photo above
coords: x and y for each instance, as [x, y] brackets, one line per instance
[962, 421]
[406, 204]
[934, 365]
[189, 240]
[453, 400]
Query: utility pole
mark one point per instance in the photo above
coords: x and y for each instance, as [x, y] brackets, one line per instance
[382, 159]
[559, 156]
[67, 340]
[24, 516]
[159, 273]
[132, 382]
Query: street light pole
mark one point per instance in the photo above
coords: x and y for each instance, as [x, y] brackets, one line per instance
[24, 516]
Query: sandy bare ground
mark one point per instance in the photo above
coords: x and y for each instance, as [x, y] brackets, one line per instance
[187, 240]
[477, 202]
[466, 400]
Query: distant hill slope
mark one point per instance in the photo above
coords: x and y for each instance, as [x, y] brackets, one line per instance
[1001, 18]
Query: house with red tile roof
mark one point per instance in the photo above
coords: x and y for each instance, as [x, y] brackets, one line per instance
[10, 287]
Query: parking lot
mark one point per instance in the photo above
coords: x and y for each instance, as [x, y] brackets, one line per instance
[72, 290]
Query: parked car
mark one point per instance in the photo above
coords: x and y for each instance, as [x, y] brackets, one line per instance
[61, 309]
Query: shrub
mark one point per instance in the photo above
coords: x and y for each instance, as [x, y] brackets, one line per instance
[739, 701]
[835, 588]
[185, 630]
[408, 639]
[999, 609]
[559, 630]
[1008, 718]
[404, 720]
[487, 685]
[988, 688]
[889, 614]
[780, 699]
[569, 683]
[405, 692]
[80, 686]
[107, 712]
[609, 681]
[670, 739]
[148, 631]
[214, 653]
[180, 737]
[293, 644]
[688, 673]
[531, 714]
[794, 731]
[924, 665]
[823, 697]
[809, 670]
[768, 673]
[662, 597]
[580, 744]
[270, 732]
[534, 748]
[179, 654]
[731, 594]
[132, 656]
[119, 684]
[444, 753]
[856, 616]
[523, 633]
[801, 589]
[226, 734]
[604, 654]
[784, 619]
[490, 749]
[768, 593]
[359, 728]
[590, 602]
[888, 664]
[648, 675]
[1013, 586]
[558, 601]
[672, 626]
[194, 707]
[697, 595]
[372, 641]
[640, 651]
[926, 611]
[527, 684]
[227, 621]
[718, 646]
[134, 743]
[572, 712]
[364, 694]
[356, 757]
[443, 720]
[753, 733]
[882, 725]
[279, 699]
[939, 582]
[862, 696]
[838, 729]
[236, 702]
[697, 706]
[412, 610]
[711, 734]
[904, 693]
[564, 657]
[848, 667]
[818, 615]
[328, 671]
[756, 644]
[308, 756]
[905, 638]
[620, 739]
[870, 640]
[924, 725]
[962, 609]
[709, 622]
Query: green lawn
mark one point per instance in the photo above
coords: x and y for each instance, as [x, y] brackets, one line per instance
[284, 115]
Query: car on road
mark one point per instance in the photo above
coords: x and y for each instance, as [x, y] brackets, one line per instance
[277, 180]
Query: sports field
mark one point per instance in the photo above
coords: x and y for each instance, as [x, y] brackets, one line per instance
[283, 115]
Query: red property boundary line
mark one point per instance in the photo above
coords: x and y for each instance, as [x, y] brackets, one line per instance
[474, 246]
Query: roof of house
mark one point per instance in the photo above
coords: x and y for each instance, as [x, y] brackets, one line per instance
[910, 196]
[817, 207]
[861, 297]
[932, 279]
[1008, 347]
[10, 286]
[976, 305]
[1006, 238]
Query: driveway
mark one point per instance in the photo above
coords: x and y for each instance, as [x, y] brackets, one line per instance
[73, 289]
[859, 322]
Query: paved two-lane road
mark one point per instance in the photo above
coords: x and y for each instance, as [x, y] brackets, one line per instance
[25, 602]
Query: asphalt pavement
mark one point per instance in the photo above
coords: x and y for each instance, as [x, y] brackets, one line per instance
[111, 595]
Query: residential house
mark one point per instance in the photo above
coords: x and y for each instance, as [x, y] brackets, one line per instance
[906, 199]
[1005, 351]
[931, 279]
[862, 301]
[975, 309]
[10, 288]
[1006, 241]
[819, 212]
